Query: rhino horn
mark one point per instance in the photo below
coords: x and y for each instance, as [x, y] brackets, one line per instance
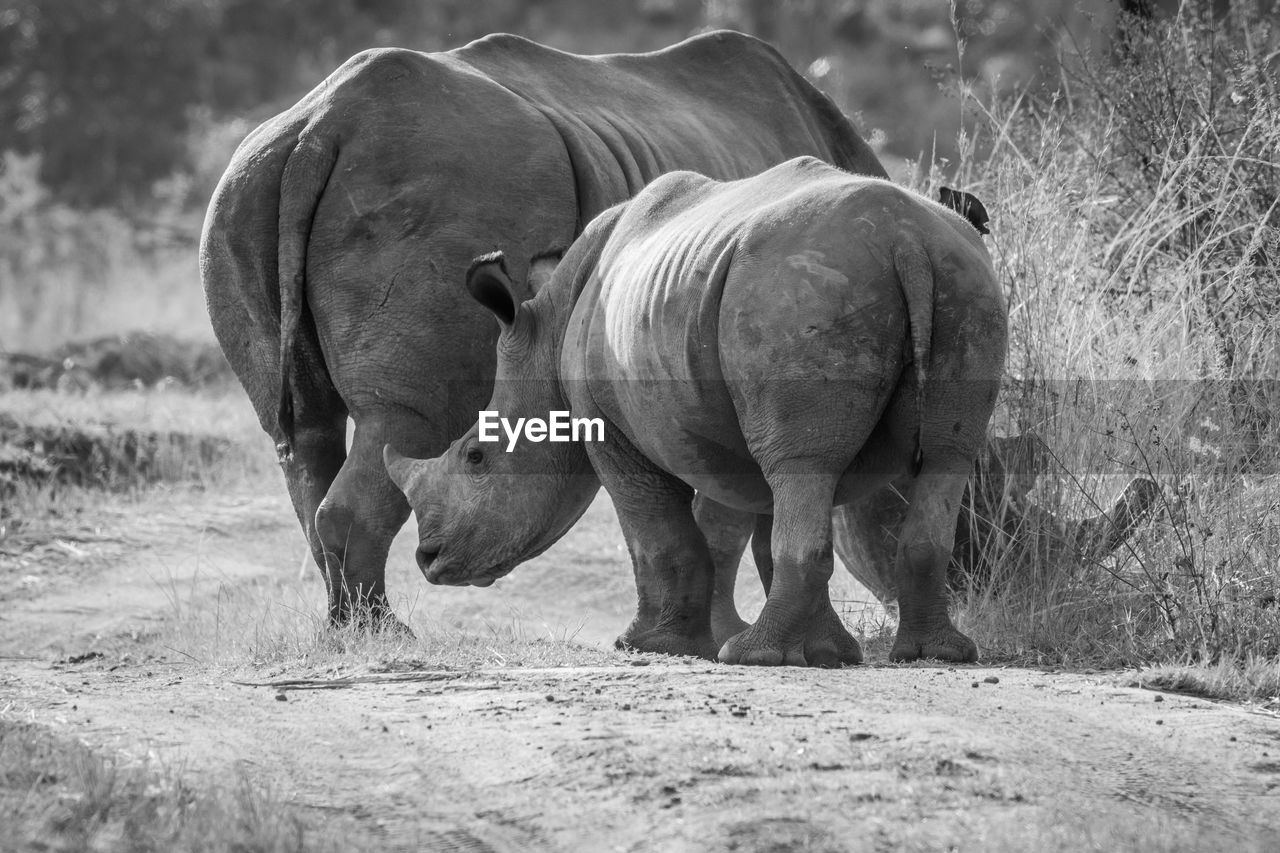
[401, 469]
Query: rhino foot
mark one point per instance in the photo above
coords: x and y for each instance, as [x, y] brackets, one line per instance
[829, 644]
[741, 652]
[759, 647]
[665, 641]
[946, 644]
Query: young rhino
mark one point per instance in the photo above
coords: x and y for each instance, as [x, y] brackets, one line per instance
[783, 344]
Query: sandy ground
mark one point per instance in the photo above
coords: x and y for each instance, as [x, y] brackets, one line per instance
[647, 754]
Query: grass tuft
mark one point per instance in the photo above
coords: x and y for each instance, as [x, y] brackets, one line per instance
[63, 796]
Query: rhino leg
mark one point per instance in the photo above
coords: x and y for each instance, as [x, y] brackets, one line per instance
[358, 519]
[314, 453]
[925, 629]
[673, 566]
[827, 642]
[797, 575]
[317, 453]
[727, 531]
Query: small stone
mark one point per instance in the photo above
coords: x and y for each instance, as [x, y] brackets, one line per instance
[626, 706]
[1159, 722]
[991, 679]
[280, 697]
[550, 698]
[975, 684]
[1159, 699]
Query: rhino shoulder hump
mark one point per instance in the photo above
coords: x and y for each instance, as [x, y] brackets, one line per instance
[382, 65]
[725, 45]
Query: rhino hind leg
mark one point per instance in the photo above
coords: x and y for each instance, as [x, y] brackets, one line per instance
[827, 642]
[310, 465]
[355, 523]
[727, 531]
[312, 450]
[797, 617]
[925, 629]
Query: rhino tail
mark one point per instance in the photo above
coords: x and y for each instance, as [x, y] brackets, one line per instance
[304, 179]
[915, 277]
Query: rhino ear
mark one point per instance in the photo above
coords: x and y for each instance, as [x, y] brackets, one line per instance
[968, 206]
[542, 267]
[491, 286]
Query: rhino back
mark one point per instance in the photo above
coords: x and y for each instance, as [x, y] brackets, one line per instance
[712, 301]
[723, 104]
[432, 164]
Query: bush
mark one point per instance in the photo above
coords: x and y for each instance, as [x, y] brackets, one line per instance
[72, 273]
[1135, 219]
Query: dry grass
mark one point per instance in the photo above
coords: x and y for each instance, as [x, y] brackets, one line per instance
[225, 414]
[1252, 679]
[281, 625]
[104, 455]
[1137, 235]
[60, 795]
[125, 440]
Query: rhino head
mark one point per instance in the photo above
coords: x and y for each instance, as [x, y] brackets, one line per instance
[484, 506]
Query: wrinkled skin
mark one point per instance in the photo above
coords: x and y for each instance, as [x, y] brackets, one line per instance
[782, 344]
[334, 243]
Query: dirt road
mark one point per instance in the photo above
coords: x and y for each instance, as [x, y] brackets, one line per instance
[632, 754]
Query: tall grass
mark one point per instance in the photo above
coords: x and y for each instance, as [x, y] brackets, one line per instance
[1137, 236]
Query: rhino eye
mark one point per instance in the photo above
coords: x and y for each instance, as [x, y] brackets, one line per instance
[475, 456]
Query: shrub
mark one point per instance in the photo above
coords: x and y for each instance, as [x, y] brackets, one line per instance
[1135, 219]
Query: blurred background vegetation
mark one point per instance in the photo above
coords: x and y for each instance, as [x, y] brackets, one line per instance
[118, 117]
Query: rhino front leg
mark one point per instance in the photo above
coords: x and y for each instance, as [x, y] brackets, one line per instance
[673, 567]
[797, 572]
[727, 531]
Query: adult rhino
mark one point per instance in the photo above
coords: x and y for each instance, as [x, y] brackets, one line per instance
[781, 344]
[333, 244]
